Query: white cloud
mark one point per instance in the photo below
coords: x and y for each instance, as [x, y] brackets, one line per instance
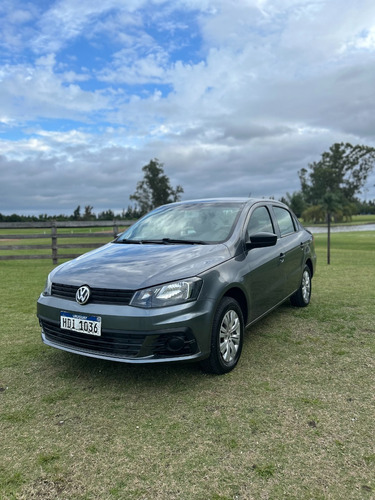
[65, 20]
[234, 96]
[30, 92]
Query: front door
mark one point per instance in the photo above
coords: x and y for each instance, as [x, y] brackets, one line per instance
[265, 279]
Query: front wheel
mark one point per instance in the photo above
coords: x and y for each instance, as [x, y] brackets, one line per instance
[301, 298]
[226, 338]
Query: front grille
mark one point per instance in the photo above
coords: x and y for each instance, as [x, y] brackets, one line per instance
[110, 343]
[113, 343]
[97, 296]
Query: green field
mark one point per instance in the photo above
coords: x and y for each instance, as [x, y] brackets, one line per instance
[294, 420]
[363, 219]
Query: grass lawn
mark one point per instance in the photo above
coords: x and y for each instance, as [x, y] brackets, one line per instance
[363, 219]
[294, 420]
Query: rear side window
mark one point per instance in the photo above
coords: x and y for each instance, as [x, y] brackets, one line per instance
[260, 222]
[284, 220]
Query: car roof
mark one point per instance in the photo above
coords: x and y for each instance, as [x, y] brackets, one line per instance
[236, 200]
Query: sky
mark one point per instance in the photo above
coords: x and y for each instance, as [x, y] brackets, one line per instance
[233, 97]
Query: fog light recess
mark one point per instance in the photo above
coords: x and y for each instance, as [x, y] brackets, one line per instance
[175, 344]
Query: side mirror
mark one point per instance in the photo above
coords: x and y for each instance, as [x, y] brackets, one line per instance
[261, 240]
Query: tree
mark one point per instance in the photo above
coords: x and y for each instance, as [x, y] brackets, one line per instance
[77, 213]
[295, 202]
[89, 215]
[314, 214]
[106, 215]
[333, 182]
[155, 189]
[343, 169]
[130, 213]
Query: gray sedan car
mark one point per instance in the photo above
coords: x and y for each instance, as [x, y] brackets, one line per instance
[181, 284]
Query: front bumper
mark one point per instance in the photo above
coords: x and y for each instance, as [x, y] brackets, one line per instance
[130, 334]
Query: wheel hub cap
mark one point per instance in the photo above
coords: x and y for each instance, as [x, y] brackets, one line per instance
[230, 333]
[306, 286]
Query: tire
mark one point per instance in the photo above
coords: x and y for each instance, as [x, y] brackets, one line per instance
[301, 298]
[226, 338]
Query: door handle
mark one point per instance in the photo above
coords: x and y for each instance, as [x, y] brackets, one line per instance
[282, 257]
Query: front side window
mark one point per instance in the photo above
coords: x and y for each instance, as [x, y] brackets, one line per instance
[284, 220]
[260, 222]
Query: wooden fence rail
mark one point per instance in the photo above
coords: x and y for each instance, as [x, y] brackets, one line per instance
[51, 232]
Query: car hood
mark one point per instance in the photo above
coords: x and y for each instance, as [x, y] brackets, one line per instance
[134, 266]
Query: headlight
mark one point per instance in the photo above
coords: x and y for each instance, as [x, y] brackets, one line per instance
[170, 294]
[48, 286]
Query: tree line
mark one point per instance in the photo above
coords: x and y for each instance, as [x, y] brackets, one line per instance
[329, 190]
[85, 214]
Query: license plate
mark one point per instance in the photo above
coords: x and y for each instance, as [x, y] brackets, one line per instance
[91, 325]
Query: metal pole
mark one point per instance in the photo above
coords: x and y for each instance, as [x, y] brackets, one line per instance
[328, 237]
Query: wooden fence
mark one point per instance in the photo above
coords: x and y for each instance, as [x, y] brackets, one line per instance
[51, 232]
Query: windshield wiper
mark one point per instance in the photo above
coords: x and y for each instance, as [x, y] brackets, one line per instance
[173, 241]
[129, 242]
[163, 241]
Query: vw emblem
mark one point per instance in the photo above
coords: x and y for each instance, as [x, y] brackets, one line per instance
[83, 295]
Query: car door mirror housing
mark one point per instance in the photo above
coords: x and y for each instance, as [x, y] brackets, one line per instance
[261, 240]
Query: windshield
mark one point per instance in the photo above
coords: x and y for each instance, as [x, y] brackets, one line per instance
[205, 222]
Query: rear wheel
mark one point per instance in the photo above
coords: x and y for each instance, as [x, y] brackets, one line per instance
[301, 298]
[226, 338]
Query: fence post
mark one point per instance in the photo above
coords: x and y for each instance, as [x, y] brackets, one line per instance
[54, 242]
[115, 228]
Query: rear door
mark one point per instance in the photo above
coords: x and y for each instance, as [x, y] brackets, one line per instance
[291, 249]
